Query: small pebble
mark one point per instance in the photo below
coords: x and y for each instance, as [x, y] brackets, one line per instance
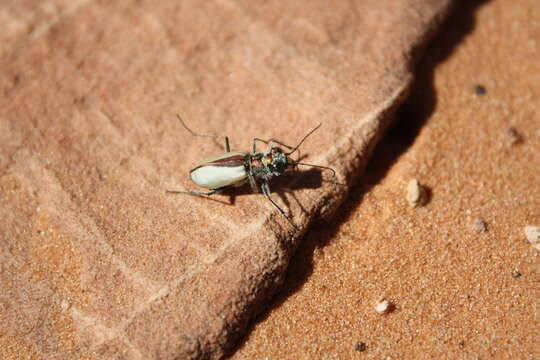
[480, 90]
[533, 236]
[461, 342]
[479, 226]
[360, 346]
[513, 137]
[416, 193]
[532, 233]
[516, 274]
[384, 306]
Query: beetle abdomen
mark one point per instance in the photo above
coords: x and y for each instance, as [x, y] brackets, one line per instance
[214, 177]
[219, 171]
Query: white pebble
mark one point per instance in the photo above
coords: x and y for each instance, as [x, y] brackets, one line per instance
[416, 194]
[533, 236]
[532, 233]
[479, 225]
[384, 306]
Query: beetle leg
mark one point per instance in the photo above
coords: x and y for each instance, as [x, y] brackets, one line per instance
[227, 147]
[268, 142]
[253, 184]
[194, 192]
[266, 191]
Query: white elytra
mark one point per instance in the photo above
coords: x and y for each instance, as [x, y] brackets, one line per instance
[220, 170]
[214, 177]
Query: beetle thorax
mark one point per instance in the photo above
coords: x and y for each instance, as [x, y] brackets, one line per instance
[269, 164]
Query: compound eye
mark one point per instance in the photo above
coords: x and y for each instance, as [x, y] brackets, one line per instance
[276, 150]
[267, 159]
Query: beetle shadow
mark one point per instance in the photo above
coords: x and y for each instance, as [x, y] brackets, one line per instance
[410, 118]
[206, 197]
[304, 179]
[289, 182]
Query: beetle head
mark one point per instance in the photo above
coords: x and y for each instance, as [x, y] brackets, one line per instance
[277, 161]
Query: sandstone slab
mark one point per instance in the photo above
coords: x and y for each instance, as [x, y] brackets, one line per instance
[97, 261]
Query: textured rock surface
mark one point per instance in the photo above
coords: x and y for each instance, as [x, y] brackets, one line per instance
[459, 293]
[97, 261]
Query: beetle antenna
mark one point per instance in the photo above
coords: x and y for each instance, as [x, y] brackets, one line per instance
[191, 131]
[317, 166]
[227, 147]
[301, 141]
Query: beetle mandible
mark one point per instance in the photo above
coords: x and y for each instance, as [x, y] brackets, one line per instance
[233, 169]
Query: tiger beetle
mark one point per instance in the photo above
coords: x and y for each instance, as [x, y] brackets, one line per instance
[233, 169]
